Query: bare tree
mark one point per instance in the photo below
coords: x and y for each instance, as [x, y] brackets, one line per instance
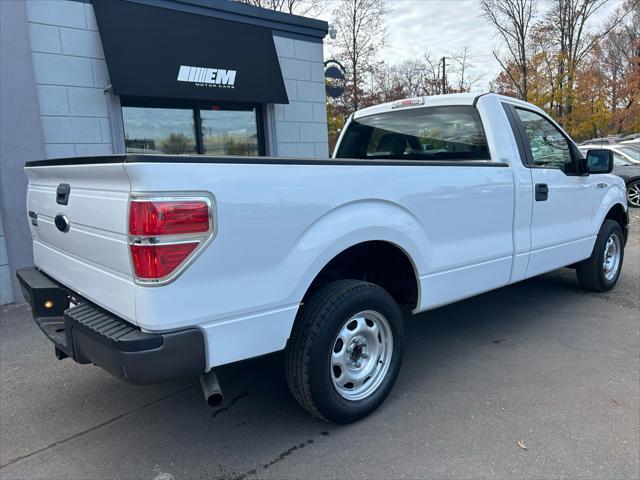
[360, 35]
[512, 19]
[568, 20]
[618, 60]
[462, 68]
[296, 7]
[410, 78]
[433, 75]
[387, 84]
[412, 75]
[420, 77]
[414, 78]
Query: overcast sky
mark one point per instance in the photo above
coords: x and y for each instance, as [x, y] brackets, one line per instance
[443, 27]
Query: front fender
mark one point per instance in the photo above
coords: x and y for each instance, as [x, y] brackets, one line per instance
[348, 225]
[615, 194]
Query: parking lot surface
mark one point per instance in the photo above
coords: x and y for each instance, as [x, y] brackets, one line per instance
[542, 363]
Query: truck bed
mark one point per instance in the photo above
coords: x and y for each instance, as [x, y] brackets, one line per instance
[278, 222]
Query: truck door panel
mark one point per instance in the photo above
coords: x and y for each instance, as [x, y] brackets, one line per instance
[562, 197]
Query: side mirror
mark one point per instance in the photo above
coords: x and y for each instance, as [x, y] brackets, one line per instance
[599, 161]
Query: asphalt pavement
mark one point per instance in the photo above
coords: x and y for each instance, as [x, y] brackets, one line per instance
[541, 363]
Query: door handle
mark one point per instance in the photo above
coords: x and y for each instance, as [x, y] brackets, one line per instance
[542, 192]
[62, 194]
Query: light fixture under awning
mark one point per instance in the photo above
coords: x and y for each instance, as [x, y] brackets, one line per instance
[158, 52]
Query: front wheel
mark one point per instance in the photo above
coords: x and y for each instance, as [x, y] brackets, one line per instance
[345, 351]
[601, 270]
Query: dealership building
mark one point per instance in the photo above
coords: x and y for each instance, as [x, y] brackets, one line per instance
[102, 77]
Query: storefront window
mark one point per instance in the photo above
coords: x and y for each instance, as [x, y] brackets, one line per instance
[203, 129]
[159, 130]
[229, 132]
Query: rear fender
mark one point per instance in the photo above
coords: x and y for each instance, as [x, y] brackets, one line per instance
[351, 224]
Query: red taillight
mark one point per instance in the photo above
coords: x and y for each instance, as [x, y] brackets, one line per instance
[168, 217]
[158, 261]
[164, 233]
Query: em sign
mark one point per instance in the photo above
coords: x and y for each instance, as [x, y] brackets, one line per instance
[211, 76]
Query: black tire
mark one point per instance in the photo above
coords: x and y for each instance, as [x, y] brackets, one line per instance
[591, 275]
[308, 355]
[632, 194]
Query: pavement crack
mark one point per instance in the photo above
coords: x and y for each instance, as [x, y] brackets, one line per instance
[96, 427]
[279, 458]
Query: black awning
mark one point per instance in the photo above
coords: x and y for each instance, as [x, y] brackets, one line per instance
[157, 52]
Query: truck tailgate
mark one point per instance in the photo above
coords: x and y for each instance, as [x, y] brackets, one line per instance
[92, 256]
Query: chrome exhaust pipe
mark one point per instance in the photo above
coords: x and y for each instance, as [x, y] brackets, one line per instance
[211, 389]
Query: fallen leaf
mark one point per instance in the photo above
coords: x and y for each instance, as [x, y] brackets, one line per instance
[521, 444]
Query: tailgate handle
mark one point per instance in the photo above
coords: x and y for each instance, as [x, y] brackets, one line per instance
[62, 194]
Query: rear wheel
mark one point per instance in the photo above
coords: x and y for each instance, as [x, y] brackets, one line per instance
[633, 194]
[345, 351]
[601, 270]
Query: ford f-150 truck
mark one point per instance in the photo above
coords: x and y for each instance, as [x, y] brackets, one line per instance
[155, 267]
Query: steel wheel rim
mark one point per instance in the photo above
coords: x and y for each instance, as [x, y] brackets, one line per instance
[361, 355]
[633, 194]
[611, 261]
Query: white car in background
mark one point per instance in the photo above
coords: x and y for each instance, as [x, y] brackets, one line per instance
[626, 164]
[633, 139]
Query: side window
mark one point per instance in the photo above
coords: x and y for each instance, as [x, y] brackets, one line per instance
[619, 160]
[548, 146]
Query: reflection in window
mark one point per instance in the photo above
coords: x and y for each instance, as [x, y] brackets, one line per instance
[159, 130]
[548, 146]
[229, 132]
[430, 133]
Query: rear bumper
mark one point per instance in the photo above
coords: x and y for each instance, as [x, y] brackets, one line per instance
[90, 334]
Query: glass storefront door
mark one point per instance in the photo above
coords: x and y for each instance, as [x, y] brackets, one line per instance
[229, 132]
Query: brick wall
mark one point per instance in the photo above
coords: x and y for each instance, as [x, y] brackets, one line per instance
[71, 75]
[301, 126]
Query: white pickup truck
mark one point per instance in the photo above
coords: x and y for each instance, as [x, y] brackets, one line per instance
[155, 267]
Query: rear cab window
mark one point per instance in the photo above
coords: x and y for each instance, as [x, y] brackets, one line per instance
[425, 133]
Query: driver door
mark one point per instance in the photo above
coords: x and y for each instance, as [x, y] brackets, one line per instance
[563, 195]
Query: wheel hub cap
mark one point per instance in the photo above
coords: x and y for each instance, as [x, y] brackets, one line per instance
[611, 260]
[357, 352]
[361, 355]
[633, 194]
